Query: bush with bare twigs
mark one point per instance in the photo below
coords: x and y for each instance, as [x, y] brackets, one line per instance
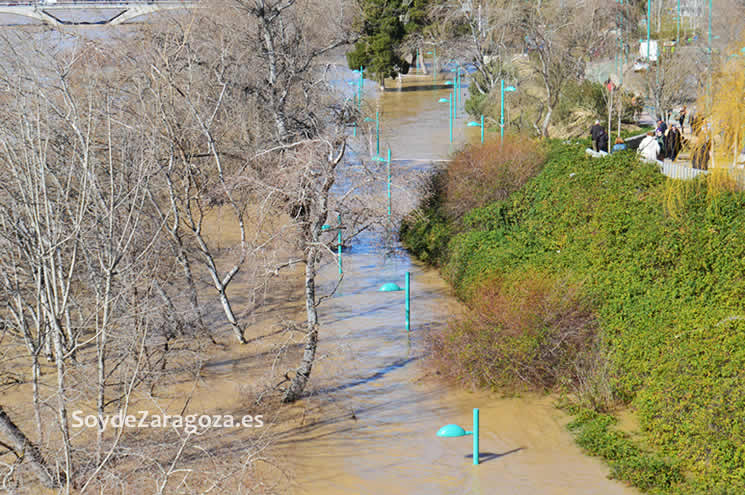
[480, 175]
[534, 333]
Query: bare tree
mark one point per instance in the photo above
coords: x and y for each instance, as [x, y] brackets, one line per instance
[480, 32]
[561, 36]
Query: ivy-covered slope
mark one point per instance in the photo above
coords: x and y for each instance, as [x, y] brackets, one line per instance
[663, 264]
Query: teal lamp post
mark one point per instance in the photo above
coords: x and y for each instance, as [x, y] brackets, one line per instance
[501, 111]
[388, 167]
[393, 287]
[377, 130]
[476, 124]
[360, 84]
[457, 83]
[649, 27]
[434, 62]
[456, 431]
[449, 101]
[454, 94]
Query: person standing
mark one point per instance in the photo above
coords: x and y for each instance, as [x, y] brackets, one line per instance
[661, 127]
[603, 141]
[682, 117]
[649, 148]
[672, 143]
[595, 132]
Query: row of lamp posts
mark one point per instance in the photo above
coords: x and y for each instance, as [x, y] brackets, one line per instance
[450, 430]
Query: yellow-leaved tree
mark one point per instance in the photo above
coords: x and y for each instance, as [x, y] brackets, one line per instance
[720, 133]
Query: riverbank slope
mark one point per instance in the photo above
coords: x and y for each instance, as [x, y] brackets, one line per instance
[607, 280]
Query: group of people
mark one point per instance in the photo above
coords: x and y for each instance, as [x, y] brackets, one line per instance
[663, 143]
[600, 139]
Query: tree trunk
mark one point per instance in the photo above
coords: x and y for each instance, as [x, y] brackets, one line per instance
[23, 448]
[546, 122]
[237, 330]
[302, 374]
[59, 357]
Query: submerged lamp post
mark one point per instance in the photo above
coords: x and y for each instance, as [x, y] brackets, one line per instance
[449, 101]
[393, 287]
[501, 112]
[388, 164]
[456, 431]
[434, 62]
[360, 84]
[476, 124]
[457, 83]
[377, 130]
[454, 94]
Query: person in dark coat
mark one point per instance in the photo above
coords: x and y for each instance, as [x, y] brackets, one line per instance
[603, 141]
[595, 131]
[682, 117]
[672, 143]
[661, 126]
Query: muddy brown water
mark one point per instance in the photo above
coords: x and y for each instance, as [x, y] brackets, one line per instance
[381, 400]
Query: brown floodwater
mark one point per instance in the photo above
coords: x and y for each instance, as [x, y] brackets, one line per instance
[380, 401]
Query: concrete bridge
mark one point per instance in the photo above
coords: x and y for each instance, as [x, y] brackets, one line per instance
[117, 12]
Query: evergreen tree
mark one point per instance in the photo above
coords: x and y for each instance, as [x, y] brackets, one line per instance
[383, 26]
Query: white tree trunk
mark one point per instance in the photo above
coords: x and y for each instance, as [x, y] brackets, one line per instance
[302, 374]
[24, 449]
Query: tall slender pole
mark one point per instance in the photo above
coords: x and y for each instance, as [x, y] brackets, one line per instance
[360, 87]
[450, 116]
[677, 28]
[649, 24]
[476, 436]
[434, 63]
[408, 301]
[338, 242]
[710, 10]
[377, 132]
[708, 83]
[501, 113]
[482, 129]
[388, 163]
[454, 97]
[457, 84]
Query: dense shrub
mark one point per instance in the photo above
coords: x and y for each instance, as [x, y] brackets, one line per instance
[479, 175]
[534, 331]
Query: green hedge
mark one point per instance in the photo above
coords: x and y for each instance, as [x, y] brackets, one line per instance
[664, 263]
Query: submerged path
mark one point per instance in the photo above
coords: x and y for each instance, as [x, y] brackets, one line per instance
[382, 402]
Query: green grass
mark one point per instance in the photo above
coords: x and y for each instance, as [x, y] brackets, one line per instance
[664, 264]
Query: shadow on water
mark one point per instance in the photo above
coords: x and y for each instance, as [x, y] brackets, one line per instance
[375, 376]
[490, 456]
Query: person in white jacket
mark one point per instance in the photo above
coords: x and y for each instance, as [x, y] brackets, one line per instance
[649, 147]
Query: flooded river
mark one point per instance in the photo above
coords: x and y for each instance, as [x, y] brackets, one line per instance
[382, 401]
